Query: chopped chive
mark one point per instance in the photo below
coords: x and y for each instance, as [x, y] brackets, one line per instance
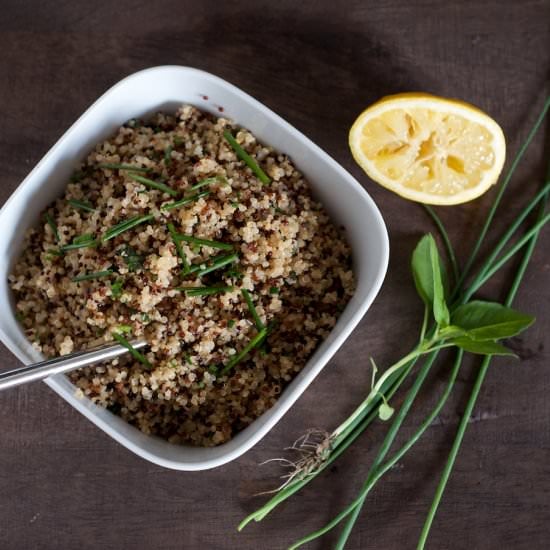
[154, 184]
[167, 155]
[82, 205]
[133, 351]
[82, 241]
[179, 249]
[188, 359]
[204, 290]
[125, 225]
[77, 177]
[53, 227]
[208, 181]
[273, 290]
[127, 167]
[215, 263]
[117, 288]
[145, 318]
[93, 275]
[252, 309]
[234, 273]
[254, 343]
[54, 252]
[186, 200]
[213, 369]
[246, 158]
[178, 141]
[230, 323]
[203, 242]
[123, 329]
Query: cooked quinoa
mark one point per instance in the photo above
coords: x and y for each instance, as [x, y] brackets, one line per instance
[290, 257]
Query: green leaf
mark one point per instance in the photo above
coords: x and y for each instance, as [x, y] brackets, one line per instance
[385, 412]
[482, 348]
[428, 278]
[451, 331]
[489, 320]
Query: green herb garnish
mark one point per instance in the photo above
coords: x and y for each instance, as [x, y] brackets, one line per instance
[174, 234]
[212, 264]
[82, 241]
[125, 167]
[91, 276]
[234, 273]
[154, 184]
[188, 359]
[133, 351]
[132, 259]
[186, 200]
[145, 318]
[204, 290]
[125, 225]
[123, 329]
[117, 288]
[274, 290]
[252, 309]
[167, 155]
[203, 242]
[230, 323]
[178, 141]
[246, 158]
[77, 177]
[50, 221]
[254, 343]
[82, 205]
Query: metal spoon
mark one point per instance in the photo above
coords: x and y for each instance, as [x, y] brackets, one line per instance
[66, 363]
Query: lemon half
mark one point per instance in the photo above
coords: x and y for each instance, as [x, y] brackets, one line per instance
[429, 149]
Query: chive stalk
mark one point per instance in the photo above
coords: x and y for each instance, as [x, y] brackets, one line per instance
[185, 200]
[246, 158]
[203, 242]
[254, 343]
[125, 225]
[204, 290]
[252, 309]
[154, 184]
[81, 205]
[133, 351]
[179, 249]
[50, 221]
[214, 263]
[91, 276]
[82, 241]
[168, 155]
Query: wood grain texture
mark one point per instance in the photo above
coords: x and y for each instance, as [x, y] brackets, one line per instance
[64, 484]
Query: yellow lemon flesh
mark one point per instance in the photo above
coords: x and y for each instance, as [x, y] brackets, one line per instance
[429, 149]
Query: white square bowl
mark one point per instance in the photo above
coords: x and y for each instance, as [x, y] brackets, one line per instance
[166, 88]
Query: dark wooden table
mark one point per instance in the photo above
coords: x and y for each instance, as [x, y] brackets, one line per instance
[64, 484]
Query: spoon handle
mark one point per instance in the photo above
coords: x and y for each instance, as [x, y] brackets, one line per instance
[65, 363]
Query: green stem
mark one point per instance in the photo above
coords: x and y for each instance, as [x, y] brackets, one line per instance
[500, 193]
[346, 439]
[473, 398]
[186, 200]
[203, 242]
[484, 277]
[154, 185]
[254, 343]
[446, 241]
[386, 444]
[246, 158]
